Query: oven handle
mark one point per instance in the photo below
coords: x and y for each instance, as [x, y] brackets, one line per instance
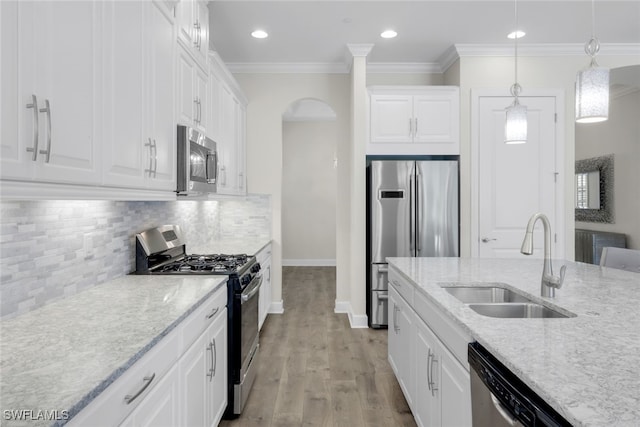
[252, 289]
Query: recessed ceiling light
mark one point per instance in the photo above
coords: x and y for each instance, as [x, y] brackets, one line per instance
[388, 34]
[259, 34]
[518, 33]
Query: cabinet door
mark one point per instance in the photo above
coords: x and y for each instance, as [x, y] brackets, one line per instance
[161, 125]
[217, 382]
[194, 367]
[67, 64]
[124, 96]
[392, 118]
[213, 107]
[16, 120]
[436, 117]
[241, 115]
[426, 408]
[160, 407]
[455, 391]
[201, 26]
[227, 145]
[201, 94]
[400, 342]
[52, 56]
[185, 79]
[185, 11]
[265, 292]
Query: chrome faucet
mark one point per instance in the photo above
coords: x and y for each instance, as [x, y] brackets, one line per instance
[549, 281]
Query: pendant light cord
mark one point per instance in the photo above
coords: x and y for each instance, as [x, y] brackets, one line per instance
[515, 89]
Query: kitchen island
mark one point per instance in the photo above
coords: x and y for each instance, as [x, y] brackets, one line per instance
[587, 366]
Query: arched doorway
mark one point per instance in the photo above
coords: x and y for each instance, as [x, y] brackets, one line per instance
[309, 184]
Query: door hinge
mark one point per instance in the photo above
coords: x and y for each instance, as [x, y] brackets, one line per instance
[555, 117]
[555, 176]
[555, 237]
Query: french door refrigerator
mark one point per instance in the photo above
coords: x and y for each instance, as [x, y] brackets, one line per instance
[412, 212]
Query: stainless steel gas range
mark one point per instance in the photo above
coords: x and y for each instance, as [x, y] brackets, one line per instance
[162, 250]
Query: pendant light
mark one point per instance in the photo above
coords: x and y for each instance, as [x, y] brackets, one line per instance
[592, 83]
[515, 127]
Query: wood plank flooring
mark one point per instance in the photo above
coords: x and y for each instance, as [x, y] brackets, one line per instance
[314, 370]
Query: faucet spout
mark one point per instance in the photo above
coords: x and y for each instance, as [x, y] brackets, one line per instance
[549, 282]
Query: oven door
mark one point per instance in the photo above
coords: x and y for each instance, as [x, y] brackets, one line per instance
[249, 316]
[248, 343]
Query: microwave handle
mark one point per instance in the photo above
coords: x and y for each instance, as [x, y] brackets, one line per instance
[212, 167]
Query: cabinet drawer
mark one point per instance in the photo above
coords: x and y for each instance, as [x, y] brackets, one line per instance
[404, 288]
[111, 407]
[203, 316]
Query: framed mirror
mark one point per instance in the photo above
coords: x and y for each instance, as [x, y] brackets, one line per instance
[594, 189]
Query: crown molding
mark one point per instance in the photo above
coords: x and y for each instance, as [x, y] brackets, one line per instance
[288, 68]
[404, 68]
[448, 58]
[544, 49]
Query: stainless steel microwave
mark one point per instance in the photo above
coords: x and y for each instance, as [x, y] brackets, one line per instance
[197, 163]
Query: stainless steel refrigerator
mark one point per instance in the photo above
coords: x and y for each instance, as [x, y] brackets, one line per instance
[412, 212]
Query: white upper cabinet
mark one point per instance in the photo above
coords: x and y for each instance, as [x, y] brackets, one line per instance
[50, 91]
[139, 122]
[192, 96]
[414, 120]
[228, 120]
[193, 28]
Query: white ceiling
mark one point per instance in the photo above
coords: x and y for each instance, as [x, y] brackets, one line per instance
[316, 33]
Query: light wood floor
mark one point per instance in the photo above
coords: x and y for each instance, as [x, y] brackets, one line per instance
[314, 370]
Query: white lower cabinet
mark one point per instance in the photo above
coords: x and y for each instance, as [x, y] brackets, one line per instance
[181, 381]
[401, 343]
[435, 382]
[264, 300]
[203, 377]
[160, 407]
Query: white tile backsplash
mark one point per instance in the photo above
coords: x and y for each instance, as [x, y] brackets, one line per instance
[52, 249]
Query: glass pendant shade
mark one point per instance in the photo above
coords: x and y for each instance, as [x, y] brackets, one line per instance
[515, 128]
[592, 95]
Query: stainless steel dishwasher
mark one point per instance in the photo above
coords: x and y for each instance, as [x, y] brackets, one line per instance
[499, 398]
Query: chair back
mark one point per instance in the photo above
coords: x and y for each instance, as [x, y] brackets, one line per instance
[621, 258]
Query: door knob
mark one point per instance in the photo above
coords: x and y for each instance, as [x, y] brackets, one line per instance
[487, 240]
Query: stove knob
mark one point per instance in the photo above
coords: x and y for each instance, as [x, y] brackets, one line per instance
[255, 268]
[246, 279]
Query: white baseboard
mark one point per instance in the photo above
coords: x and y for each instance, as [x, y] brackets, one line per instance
[308, 262]
[276, 307]
[356, 321]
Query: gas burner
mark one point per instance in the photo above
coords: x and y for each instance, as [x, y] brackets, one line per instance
[207, 263]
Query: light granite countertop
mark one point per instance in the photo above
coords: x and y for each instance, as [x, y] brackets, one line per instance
[61, 356]
[586, 367]
[230, 246]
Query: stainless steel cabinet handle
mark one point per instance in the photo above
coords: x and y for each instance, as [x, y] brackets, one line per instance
[154, 147]
[195, 118]
[269, 277]
[487, 240]
[396, 328]
[34, 148]
[398, 285]
[47, 109]
[433, 382]
[196, 25]
[415, 128]
[147, 382]
[410, 127]
[429, 370]
[214, 359]
[241, 180]
[213, 312]
[150, 170]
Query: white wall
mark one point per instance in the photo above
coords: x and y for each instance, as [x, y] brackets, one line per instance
[309, 187]
[620, 136]
[551, 72]
[269, 96]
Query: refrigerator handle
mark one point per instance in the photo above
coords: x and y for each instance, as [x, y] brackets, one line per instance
[412, 212]
[417, 217]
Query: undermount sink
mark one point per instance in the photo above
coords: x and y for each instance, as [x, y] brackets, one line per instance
[493, 300]
[485, 294]
[517, 311]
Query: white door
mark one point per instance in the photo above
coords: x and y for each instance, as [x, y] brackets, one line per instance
[516, 181]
